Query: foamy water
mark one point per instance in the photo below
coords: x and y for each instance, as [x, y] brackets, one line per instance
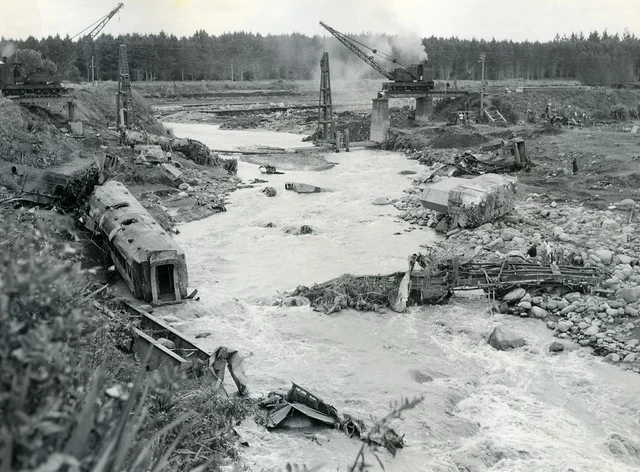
[525, 410]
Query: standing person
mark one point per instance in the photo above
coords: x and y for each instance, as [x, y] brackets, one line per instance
[575, 165]
[546, 253]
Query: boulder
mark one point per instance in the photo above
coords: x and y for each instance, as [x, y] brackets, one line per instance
[381, 201]
[269, 191]
[572, 297]
[611, 282]
[624, 259]
[538, 312]
[604, 255]
[564, 326]
[508, 234]
[514, 295]
[626, 204]
[610, 225]
[171, 172]
[496, 243]
[630, 294]
[503, 339]
[591, 331]
[556, 346]
[612, 357]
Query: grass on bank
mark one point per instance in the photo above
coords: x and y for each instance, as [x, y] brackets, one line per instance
[68, 396]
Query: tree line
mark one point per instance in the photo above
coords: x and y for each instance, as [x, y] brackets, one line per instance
[598, 58]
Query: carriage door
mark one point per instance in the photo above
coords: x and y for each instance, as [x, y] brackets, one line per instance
[164, 281]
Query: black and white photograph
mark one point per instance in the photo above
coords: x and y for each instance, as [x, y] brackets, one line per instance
[298, 236]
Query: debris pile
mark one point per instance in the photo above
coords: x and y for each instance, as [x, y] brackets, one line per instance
[299, 402]
[268, 169]
[503, 157]
[364, 293]
[192, 149]
[49, 188]
[269, 191]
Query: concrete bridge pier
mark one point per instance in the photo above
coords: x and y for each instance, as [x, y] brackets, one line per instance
[379, 130]
[424, 109]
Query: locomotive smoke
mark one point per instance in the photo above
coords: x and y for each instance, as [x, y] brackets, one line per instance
[8, 50]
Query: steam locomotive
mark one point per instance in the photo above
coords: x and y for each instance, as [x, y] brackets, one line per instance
[13, 85]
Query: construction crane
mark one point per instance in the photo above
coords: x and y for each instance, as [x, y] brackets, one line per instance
[98, 25]
[410, 79]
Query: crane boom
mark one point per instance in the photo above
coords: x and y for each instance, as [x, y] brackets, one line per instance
[104, 20]
[349, 43]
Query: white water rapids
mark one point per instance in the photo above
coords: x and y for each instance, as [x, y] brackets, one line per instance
[524, 410]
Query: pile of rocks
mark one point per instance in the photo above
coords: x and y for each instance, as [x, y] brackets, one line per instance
[607, 320]
[412, 210]
[607, 325]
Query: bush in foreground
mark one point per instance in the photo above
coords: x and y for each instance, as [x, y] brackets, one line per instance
[69, 400]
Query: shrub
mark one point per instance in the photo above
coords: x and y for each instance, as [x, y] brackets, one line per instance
[55, 412]
[618, 112]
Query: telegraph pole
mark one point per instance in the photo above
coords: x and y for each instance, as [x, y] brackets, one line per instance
[483, 57]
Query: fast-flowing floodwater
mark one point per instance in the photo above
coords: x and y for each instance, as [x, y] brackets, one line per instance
[525, 410]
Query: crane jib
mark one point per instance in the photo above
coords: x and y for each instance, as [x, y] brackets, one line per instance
[412, 73]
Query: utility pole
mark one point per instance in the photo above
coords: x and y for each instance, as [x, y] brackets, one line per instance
[93, 72]
[483, 57]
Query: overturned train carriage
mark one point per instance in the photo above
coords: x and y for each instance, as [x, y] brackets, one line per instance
[148, 259]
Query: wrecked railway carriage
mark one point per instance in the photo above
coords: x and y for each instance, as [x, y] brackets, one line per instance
[148, 259]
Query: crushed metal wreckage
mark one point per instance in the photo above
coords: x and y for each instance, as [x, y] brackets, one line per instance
[162, 345]
[267, 169]
[435, 280]
[224, 357]
[192, 149]
[498, 158]
[469, 203]
[53, 188]
[148, 259]
[298, 401]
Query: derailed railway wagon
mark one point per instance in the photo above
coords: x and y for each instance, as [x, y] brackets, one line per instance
[149, 260]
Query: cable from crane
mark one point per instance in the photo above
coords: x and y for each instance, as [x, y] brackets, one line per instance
[375, 51]
[104, 19]
[90, 26]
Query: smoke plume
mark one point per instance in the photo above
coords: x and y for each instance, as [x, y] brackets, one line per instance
[8, 50]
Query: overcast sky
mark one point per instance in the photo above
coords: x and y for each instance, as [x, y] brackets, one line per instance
[502, 19]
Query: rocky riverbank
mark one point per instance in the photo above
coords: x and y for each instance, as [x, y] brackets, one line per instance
[606, 319]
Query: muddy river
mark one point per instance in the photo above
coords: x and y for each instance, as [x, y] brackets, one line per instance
[525, 410]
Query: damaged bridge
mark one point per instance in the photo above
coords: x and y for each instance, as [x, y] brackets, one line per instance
[435, 281]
